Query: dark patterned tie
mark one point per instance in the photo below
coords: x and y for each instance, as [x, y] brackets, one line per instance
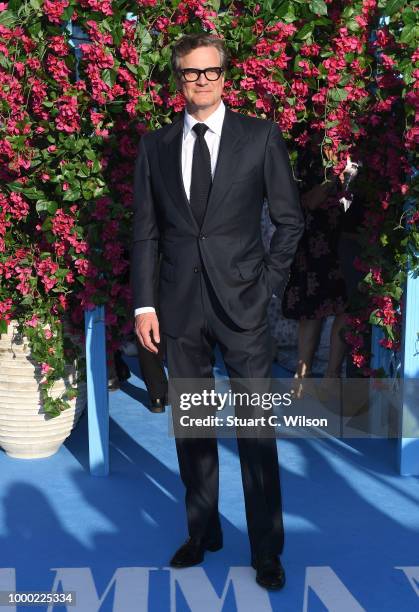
[201, 174]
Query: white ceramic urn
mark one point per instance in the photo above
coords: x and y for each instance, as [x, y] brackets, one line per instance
[26, 432]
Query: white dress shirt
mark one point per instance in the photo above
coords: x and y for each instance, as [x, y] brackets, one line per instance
[212, 137]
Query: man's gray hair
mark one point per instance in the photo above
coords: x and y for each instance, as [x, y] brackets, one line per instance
[188, 42]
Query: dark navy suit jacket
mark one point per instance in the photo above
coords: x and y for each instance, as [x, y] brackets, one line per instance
[252, 164]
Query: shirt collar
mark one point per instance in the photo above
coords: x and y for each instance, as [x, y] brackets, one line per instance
[214, 121]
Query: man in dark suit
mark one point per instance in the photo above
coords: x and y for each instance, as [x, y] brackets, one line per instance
[200, 184]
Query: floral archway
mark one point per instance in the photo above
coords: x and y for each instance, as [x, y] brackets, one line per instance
[70, 132]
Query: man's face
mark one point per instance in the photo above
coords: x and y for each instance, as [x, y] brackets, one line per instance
[201, 94]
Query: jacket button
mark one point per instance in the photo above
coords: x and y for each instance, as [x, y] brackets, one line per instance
[196, 270]
[202, 236]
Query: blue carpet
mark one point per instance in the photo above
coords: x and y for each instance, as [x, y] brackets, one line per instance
[351, 523]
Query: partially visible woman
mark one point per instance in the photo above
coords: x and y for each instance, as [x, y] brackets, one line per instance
[316, 287]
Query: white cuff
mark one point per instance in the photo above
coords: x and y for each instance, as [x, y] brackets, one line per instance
[144, 309]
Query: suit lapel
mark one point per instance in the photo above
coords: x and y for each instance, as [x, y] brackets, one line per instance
[233, 138]
[170, 157]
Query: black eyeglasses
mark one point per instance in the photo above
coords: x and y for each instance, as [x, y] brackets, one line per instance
[193, 74]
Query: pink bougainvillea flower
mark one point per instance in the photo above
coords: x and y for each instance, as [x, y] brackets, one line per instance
[33, 322]
[68, 118]
[54, 10]
[102, 6]
[45, 368]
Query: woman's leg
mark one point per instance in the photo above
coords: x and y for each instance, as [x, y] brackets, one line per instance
[337, 348]
[308, 339]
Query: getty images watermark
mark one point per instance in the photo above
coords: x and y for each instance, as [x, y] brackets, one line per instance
[255, 410]
[315, 407]
[266, 401]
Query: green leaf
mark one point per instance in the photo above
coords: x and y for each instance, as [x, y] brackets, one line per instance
[92, 155]
[47, 225]
[337, 94]
[83, 172]
[14, 5]
[16, 187]
[131, 67]
[99, 191]
[61, 272]
[392, 6]
[146, 40]
[214, 4]
[305, 32]
[47, 205]
[319, 7]
[323, 21]
[5, 62]
[27, 300]
[7, 18]
[87, 194]
[144, 105]
[409, 16]
[409, 34]
[290, 15]
[35, 28]
[267, 6]
[154, 57]
[344, 80]
[32, 193]
[71, 393]
[395, 292]
[97, 166]
[368, 278]
[389, 331]
[3, 326]
[283, 9]
[68, 13]
[374, 318]
[117, 35]
[72, 195]
[109, 77]
[330, 124]
[353, 25]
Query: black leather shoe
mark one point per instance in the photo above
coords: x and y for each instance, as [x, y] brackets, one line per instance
[269, 573]
[158, 404]
[192, 552]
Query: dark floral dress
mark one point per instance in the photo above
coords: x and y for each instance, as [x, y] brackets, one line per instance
[316, 287]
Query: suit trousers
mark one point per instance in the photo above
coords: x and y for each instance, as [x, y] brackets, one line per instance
[246, 354]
